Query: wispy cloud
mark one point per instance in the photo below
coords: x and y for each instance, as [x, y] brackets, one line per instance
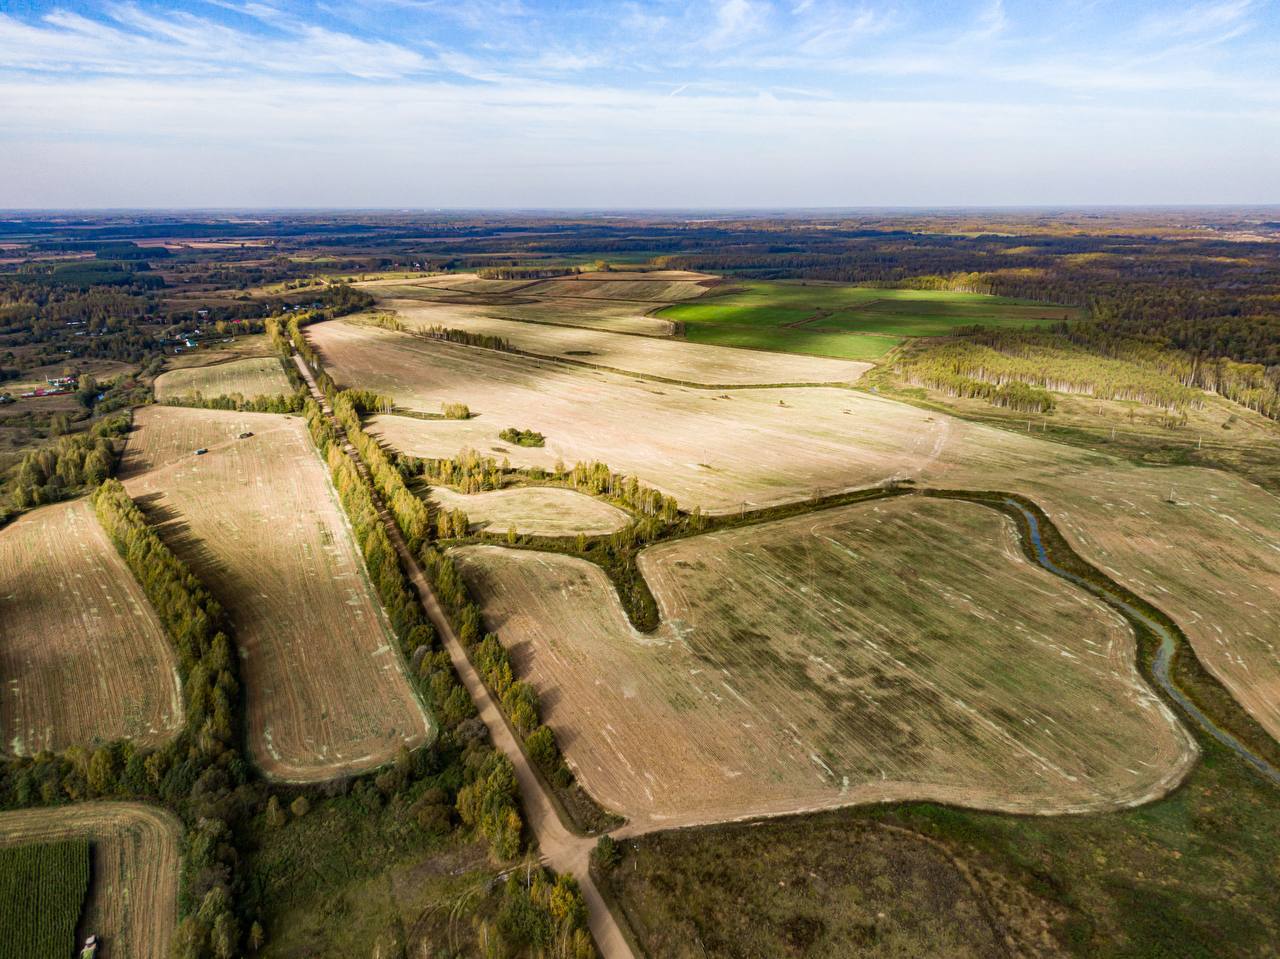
[779, 99]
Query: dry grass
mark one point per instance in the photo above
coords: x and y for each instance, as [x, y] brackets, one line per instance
[899, 650]
[540, 511]
[133, 885]
[258, 521]
[250, 377]
[82, 656]
[671, 359]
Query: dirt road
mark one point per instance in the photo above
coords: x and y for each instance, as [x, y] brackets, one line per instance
[561, 850]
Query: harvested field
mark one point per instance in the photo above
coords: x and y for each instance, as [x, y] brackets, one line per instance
[82, 656]
[1213, 562]
[717, 450]
[250, 377]
[133, 883]
[898, 650]
[258, 521]
[537, 510]
[625, 287]
[650, 356]
[593, 314]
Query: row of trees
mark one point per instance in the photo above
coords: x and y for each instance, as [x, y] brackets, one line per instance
[489, 800]
[205, 760]
[263, 403]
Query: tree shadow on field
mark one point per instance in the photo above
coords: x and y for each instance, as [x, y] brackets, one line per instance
[176, 533]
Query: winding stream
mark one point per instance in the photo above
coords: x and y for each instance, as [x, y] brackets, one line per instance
[1164, 656]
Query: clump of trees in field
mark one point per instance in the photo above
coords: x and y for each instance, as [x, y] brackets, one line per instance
[455, 411]
[541, 914]
[521, 437]
[68, 465]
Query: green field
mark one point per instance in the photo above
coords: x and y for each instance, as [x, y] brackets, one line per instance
[42, 890]
[851, 322]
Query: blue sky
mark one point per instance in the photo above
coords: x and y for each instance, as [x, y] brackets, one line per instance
[743, 103]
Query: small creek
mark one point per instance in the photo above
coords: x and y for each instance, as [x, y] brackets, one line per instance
[1164, 656]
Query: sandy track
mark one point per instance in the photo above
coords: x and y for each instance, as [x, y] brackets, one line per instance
[82, 655]
[898, 650]
[651, 356]
[541, 511]
[250, 377]
[133, 890]
[259, 522]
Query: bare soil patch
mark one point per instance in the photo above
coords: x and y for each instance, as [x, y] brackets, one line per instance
[258, 520]
[82, 656]
[899, 650]
[133, 882]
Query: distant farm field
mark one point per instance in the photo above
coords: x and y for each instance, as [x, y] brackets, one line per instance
[903, 649]
[250, 377]
[822, 318]
[82, 656]
[650, 356]
[258, 521]
[42, 890]
[540, 511]
[132, 903]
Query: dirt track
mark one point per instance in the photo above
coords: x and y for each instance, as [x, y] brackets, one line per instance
[133, 891]
[561, 849]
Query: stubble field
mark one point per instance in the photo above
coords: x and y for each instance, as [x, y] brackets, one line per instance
[1211, 559]
[82, 656]
[539, 511]
[133, 883]
[899, 650]
[258, 521]
[650, 356]
[250, 377]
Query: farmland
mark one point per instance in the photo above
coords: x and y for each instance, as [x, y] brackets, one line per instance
[249, 377]
[815, 318]
[769, 446]
[133, 882]
[43, 889]
[82, 657]
[541, 511]
[258, 520]
[713, 449]
[799, 669]
[650, 356]
[617, 302]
